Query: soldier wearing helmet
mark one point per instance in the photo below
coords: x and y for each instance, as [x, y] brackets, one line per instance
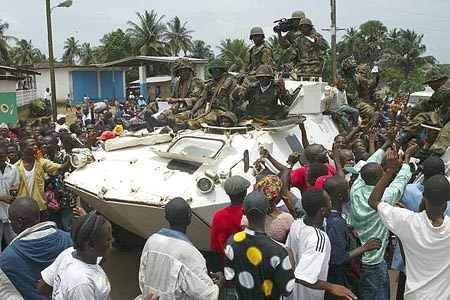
[259, 54]
[290, 37]
[186, 92]
[434, 111]
[215, 99]
[361, 88]
[308, 48]
[260, 99]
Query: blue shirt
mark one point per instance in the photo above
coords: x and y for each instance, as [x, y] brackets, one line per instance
[25, 258]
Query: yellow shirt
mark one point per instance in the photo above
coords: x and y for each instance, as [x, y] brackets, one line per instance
[41, 166]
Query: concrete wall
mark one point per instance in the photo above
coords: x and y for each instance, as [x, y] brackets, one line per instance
[62, 81]
[7, 85]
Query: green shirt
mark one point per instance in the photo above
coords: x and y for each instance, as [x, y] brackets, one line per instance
[364, 219]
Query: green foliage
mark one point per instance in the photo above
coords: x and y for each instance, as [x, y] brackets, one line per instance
[178, 37]
[201, 50]
[280, 56]
[72, 50]
[234, 53]
[114, 46]
[146, 36]
[25, 54]
[37, 108]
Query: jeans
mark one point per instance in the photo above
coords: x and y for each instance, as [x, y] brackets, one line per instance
[374, 284]
[353, 112]
[6, 233]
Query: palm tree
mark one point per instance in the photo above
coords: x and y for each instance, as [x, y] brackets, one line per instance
[178, 37]
[87, 54]
[200, 49]
[405, 52]
[4, 47]
[280, 56]
[72, 50]
[234, 53]
[23, 53]
[146, 35]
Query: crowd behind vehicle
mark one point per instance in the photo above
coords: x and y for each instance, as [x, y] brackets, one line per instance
[320, 230]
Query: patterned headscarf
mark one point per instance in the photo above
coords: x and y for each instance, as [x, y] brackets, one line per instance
[270, 186]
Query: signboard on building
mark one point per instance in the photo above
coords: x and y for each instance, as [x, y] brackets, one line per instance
[8, 107]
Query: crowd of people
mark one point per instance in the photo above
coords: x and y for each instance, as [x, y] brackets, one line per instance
[317, 231]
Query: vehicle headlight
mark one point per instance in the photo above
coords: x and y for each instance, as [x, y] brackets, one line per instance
[205, 185]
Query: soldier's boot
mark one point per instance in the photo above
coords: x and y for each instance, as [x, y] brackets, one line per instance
[153, 122]
[176, 126]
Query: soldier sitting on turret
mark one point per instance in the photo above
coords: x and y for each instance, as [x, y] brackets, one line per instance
[187, 91]
[260, 99]
[361, 88]
[215, 99]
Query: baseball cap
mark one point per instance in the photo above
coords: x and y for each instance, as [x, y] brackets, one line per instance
[236, 184]
[255, 201]
[106, 135]
[60, 116]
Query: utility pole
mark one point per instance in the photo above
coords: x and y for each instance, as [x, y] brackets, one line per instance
[333, 29]
[51, 61]
[333, 40]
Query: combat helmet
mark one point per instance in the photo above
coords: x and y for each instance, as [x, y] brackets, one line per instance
[229, 115]
[305, 21]
[434, 74]
[256, 30]
[182, 63]
[348, 64]
[264, 71]
[217, 63]
[298, 14]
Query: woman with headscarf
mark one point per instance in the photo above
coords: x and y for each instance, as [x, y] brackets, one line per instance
[277, 223]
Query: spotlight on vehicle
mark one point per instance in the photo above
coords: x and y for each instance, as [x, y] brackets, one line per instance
[205, 185]
[81, 157]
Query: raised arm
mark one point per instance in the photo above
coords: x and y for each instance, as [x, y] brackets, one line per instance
[392, 164]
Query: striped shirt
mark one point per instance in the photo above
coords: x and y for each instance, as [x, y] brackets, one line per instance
[364, 219]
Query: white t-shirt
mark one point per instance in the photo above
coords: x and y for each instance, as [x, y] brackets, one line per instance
[73, 279]
[8, 179]
[427, 251]
[29, 175]
[311, 249]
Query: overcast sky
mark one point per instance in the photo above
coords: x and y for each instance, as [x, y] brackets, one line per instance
[213, 21]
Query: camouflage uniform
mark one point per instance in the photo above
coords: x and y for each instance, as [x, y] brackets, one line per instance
[259, 55]
[191, 92]
[307, 49]
[436, 112]
[361, 90]
[221, 102]
[265, 104]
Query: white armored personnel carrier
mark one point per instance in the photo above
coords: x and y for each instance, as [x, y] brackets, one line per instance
[132, 180]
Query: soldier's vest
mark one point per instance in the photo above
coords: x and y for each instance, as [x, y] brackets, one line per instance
[263, 104]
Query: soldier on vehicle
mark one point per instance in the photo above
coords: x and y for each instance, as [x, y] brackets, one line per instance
[291, 36]
[308, 47]
[216, 98]
[361, 88]
[186, 92]
[260, 99]
[259, 54]
[434, 111]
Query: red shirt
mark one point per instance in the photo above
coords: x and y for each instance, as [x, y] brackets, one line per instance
[298, 176]
[226, 222]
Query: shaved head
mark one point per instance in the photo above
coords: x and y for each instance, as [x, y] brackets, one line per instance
[178, 212]
[23, 213]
